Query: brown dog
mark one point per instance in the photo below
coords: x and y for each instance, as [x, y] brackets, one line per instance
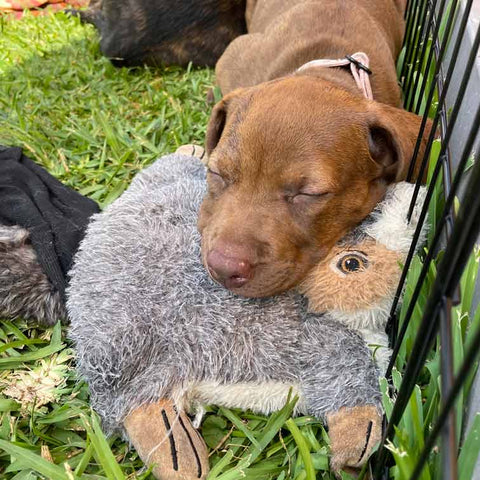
[295, 162]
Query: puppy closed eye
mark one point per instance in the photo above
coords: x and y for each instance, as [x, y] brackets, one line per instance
[216, 179]
[348, 263]
[302, 198]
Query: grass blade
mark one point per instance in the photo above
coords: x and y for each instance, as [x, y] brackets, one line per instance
[35, 462]
[302, 448]
[102, 450]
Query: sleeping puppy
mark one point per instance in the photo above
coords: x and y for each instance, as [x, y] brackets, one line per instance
[298, 156]
[293, 166]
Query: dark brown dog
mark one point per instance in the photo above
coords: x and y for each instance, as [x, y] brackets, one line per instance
[297, 161]
[165, 32]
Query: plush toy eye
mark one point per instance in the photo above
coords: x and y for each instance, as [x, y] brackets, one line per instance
[352, 263]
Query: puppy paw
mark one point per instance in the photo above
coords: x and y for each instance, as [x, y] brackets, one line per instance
[354, 432]
[164, 437]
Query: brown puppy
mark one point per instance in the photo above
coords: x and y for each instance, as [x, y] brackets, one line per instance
[296, 162]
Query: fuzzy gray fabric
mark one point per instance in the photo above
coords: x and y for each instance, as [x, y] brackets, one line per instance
[25, 290]
[147, 320]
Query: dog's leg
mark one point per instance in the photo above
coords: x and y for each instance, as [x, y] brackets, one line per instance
[354, 432]
[165, 437]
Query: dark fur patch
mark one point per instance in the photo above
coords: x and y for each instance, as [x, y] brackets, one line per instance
[25, 290]
[161, 33]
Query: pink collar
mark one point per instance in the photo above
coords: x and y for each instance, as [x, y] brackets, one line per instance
[358, 65]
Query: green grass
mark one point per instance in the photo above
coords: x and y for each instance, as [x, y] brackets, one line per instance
[90, 124]
[94, 126]
[425, 402]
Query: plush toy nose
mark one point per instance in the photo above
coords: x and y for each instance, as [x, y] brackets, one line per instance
[230, 269]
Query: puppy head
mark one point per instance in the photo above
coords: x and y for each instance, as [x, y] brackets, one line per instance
[361, 271]
[294, 164]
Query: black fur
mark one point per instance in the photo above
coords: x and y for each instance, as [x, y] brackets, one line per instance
[166, 32]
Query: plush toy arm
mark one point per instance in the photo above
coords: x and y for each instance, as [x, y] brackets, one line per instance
[164, 437]
[336, 368]
[354, 433]
[340, 385]
[124, 368]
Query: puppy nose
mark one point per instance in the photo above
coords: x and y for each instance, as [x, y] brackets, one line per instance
[231, 271]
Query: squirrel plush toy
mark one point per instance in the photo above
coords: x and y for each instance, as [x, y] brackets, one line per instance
[357, 281]
[156, 338]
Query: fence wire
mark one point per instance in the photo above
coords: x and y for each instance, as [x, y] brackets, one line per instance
[426, 81]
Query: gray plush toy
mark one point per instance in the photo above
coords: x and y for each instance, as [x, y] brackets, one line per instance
[156, 337]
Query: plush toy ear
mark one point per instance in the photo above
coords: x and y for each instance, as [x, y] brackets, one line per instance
[388, 223]
[392, 137]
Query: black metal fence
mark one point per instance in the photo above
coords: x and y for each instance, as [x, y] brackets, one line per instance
[426, 77]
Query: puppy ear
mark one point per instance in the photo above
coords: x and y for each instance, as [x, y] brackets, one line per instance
[216, 125]
[392, 138]
[229, 106]
[401, 5]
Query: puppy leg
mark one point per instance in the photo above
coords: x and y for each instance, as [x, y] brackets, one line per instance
[354, 432]
[166, 438]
